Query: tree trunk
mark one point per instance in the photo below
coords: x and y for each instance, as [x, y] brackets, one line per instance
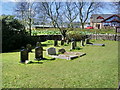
[30, 26]
[82, 25]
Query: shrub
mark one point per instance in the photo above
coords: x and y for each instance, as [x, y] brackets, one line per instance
[14, 35]
[77, 35]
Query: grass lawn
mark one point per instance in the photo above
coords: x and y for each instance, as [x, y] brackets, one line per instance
[97, 69]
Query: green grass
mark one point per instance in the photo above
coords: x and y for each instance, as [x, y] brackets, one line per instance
[97, 69]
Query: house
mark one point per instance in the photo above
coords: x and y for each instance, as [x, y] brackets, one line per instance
[99, 21]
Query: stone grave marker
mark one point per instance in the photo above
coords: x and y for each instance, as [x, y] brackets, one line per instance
[62, 42]
[38, 44]
[38, 53]
[61, 51]
[72, 45]
[23, 55]
[82, 42]
[51, 51]
[55, 43]
[29, 47]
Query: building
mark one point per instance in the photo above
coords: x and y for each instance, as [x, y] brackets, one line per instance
[99, 21]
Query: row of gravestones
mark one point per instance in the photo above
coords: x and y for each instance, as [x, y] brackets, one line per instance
[73, 42]
[39, 50]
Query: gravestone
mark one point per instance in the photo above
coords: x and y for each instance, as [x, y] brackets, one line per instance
[82, 42]
[62, 42]
[67, 41]
[51, 51]
[55, 43]
[23, 55]
[75, 43]
[38, 44]
[38, 53]
[72, 45]
[61, 51]
[29, 47]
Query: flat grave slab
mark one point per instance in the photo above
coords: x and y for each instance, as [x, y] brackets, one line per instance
[98, 44]
[68, 55]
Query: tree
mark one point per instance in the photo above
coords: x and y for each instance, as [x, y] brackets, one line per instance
[53, 12]
[25, 11]
[13, 34]
[85, 9]
[70, 13]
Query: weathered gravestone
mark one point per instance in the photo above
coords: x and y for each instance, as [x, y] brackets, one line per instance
[82, 42]
[67, 41]
[72, 45]
[55, 43]
[38, 44]
[61, 51]
[23, 55]
[38, 53]
[29, 47]
[88, 41]
[51, 51]
[62, 42]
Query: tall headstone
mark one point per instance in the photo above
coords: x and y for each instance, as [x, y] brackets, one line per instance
[51, 51]
[23, 55]
[75, 43]
[55, 43]
[38, 53]
[82, 42]
[72, 45]
[62, 42]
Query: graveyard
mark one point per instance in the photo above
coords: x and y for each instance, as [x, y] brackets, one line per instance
[56, 44]
[97, 69]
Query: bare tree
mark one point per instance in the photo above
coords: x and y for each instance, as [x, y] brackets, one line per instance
[70, 13]
[53, 12]
[25, 11]
[85, 9]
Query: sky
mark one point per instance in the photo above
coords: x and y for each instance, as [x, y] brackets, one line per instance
[7, 7]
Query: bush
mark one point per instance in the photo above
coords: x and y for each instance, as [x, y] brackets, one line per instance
[14, 35]
[77, 35]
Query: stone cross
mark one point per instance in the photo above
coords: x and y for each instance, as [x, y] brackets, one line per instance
[62, 42]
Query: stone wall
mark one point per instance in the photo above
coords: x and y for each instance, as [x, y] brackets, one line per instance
[113, 37]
